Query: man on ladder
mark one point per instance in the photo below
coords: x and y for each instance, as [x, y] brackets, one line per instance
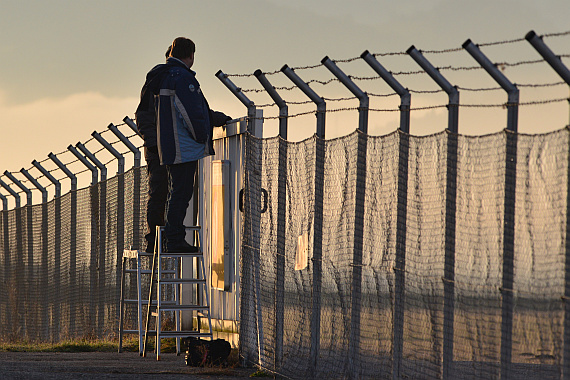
[174, 115]
[184, 126]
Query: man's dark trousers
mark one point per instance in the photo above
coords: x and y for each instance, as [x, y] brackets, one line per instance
[181, 188]
[157, 194]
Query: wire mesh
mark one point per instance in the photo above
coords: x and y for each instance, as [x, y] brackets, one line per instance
[479, 301]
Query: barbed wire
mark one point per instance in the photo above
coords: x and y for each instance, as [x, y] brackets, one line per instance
[500, 65]
[57, 172]
[495, 105]
[398, 53]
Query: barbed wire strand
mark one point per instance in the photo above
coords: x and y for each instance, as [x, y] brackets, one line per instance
[442, 51]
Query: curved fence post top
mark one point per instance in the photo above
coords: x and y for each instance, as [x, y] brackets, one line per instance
[21, 186]
[128, 143]
[12, 192]
[48, 175]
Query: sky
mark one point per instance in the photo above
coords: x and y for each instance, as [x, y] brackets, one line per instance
[69, 67]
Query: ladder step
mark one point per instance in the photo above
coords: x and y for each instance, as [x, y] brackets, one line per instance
[183, 307]
[164, 271]
[145, 302]
[130, 331]
[182, 281]
[183, 334]
[148, 271]
[181, 254]
[133, 253]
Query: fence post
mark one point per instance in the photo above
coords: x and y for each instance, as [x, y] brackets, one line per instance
[6, 250]
[11, 275]
[248, 320]
[136, 185]
[43, 277]
[95, 235]
[281, 218]
[556, 63]
[120, 243]
[402, 210]
[29, 274]
[509, 205]
[57, 250]
[404, 94]
[450, 206]
[73, 241]
[318, 218]
[102, 235]
[359, 208]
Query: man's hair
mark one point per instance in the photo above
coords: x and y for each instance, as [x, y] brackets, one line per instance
[167, 54]
[182, 47]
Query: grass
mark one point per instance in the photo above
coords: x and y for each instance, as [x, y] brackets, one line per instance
[83, 345]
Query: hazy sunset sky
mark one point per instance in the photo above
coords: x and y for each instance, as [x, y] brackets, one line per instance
[68, 68]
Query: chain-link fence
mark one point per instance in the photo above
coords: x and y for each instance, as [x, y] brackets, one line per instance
[61, 270]
[372, 299]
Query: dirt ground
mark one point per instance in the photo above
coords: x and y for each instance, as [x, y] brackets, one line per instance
[107, 365]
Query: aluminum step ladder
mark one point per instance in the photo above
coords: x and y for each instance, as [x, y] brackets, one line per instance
[129, 255]
[171, 301]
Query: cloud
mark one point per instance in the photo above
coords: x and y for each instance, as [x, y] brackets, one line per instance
[32, 130]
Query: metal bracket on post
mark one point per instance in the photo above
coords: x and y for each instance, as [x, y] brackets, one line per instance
[251, 110]
[64, 169]
[21, 186]
[91, 156]
[132, 125]
[405, 96]
[452, 92]
[361, 95]
[52, 179]
[12, 193]
[128, 143]
[511, 89]
[136, 182]
[35, 182]
[120, 158]
[283, 108]
[320, 102]
[80, 157]
[553, 60]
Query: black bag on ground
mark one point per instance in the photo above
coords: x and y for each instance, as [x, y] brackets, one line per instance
[202, 352]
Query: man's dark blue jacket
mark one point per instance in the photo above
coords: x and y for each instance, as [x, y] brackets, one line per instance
[173, 105]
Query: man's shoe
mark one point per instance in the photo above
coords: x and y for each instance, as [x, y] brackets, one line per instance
[182, 247]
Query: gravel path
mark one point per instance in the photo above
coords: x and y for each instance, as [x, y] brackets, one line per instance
[107, 365]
